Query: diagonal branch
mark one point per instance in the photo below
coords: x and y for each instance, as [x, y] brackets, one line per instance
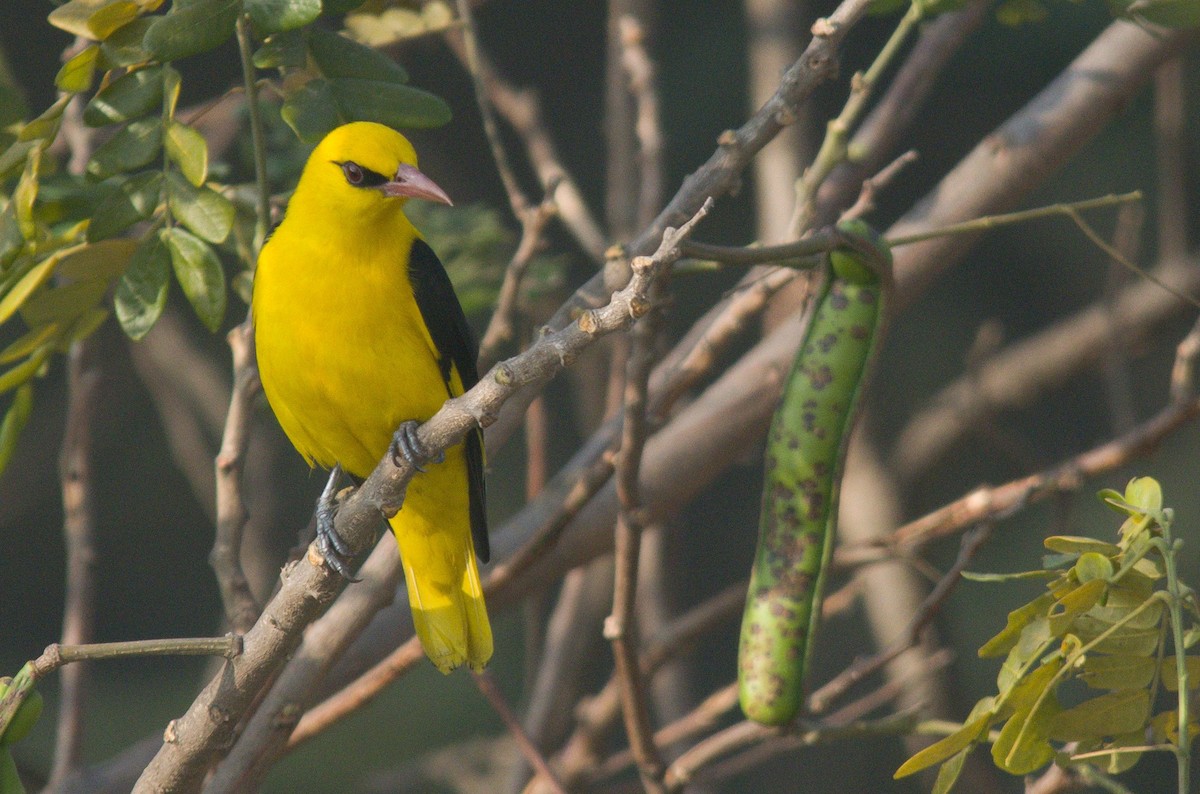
[201, 736]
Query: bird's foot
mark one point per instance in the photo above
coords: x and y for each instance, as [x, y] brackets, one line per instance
[408, 447]
[333, 547]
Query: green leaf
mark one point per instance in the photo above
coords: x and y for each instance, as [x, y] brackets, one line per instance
[30, 341]
[198, 26]
[23, 372]
[75, 76]
[64, 304]
[1018, 619]
[1107, 715]
[1070, 544]
[141, 293]
[188, 149]
[273, 16]
[132, 148]
[133, 200]
[1170, 674]
[15, 419]
[130, 96]
[1092, 566]
[1022, 745]
[281, 50]
[338, 56]
[310, 112]
[1034, 640]
[29, 282]
[93, 19]
[395, 105]
[1117, 672]
[112, 17]
[1074, 603]
[124, 46]
[199, 273]
[1123, 762]
[10, 778]
[102, 261]
[948, 775]
[172, 85]
[25, 195]
[1144, 493]
[45, 126]
[14, 157]
[947, 747]
[205, 212]
[12, 242]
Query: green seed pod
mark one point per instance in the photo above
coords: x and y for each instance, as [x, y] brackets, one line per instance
[25, 718]
[806, 448]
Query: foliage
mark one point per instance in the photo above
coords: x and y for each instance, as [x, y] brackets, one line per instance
[147, 205]
[1116, 618]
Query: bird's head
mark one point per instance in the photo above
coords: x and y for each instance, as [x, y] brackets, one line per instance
[365, 168]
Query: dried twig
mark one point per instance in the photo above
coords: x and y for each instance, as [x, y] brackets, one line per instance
[241, 610]
[85, 382]
[521, 109]
[620, 628]
[820, 700]
[487, 685]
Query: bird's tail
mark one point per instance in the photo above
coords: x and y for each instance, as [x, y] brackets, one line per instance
[445, 592]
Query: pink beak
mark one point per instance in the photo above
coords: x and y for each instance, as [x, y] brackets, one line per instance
[411, 183]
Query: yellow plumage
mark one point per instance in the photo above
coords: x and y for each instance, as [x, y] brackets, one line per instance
[346, 354]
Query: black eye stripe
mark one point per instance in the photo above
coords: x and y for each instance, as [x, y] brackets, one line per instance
[358, 176]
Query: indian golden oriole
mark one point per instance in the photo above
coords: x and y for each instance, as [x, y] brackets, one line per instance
[358, 332]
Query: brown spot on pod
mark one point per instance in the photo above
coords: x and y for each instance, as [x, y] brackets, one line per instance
[827, 342]
[860, 332]
[821, 376]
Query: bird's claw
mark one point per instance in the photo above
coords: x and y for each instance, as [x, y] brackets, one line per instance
[407, 446]
[333, 547]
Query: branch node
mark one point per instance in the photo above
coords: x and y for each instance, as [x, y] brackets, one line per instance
[589, 323]
[728, 140]
[503, 373]
[822, 28]
[613, 628]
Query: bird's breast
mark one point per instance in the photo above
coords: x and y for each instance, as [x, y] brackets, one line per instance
[343, 351]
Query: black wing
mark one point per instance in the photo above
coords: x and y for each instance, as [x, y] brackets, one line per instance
[455, 343]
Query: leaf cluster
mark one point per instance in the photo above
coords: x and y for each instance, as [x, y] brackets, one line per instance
[1108, 616]
[146, 210]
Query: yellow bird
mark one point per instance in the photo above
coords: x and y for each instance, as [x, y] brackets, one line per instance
[358, 333]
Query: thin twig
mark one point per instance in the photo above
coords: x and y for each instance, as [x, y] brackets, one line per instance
[86, 373]
[521, 109]
[487, 685]
[359, 692]
[262, 215]
[620, 628]
[820, 700]
[994, 502]
[597, 714]
[85, 382]
[747, 734]
[1170, 150]
[241, 610]
[643, 86]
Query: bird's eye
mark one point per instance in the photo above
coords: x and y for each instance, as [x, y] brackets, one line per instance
[354, 173]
